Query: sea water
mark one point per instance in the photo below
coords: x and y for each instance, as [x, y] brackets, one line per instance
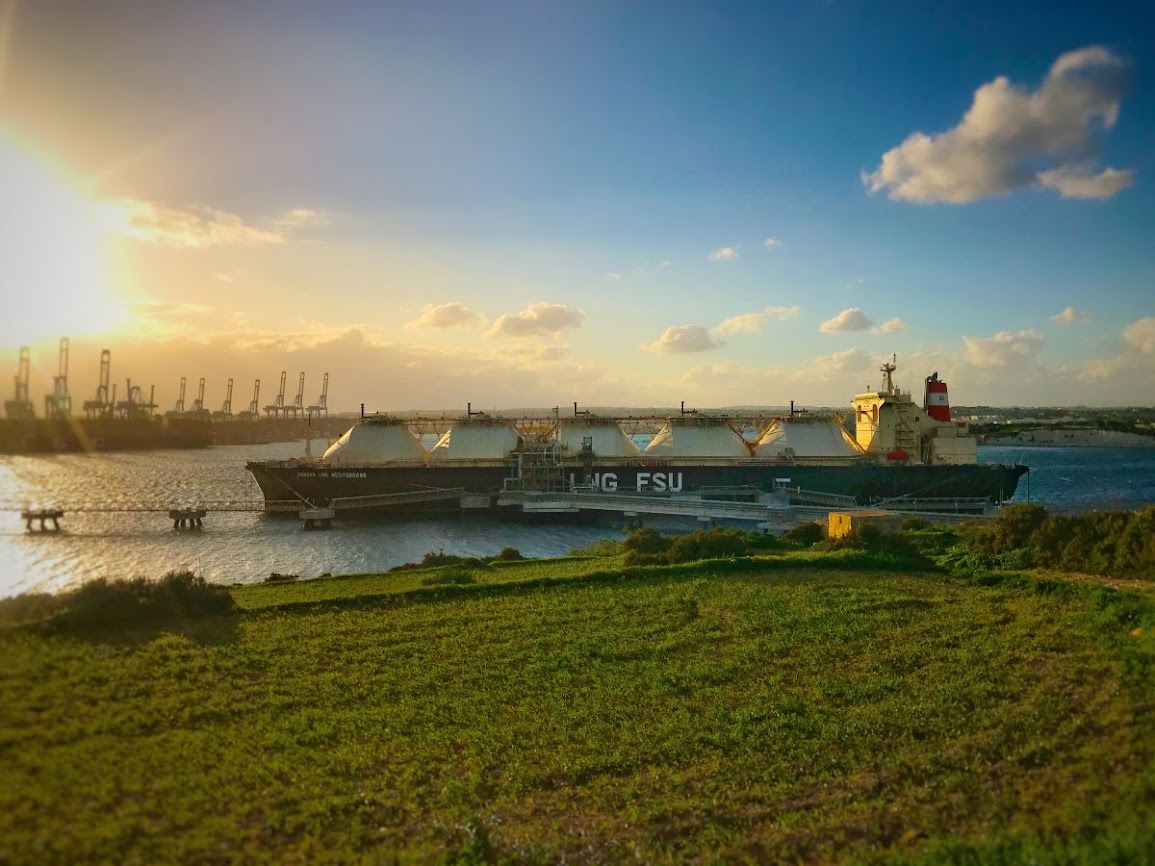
[245, 547]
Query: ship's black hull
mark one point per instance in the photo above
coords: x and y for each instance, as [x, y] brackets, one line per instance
[866, 483]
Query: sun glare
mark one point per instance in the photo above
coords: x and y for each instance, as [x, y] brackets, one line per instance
[55, 267]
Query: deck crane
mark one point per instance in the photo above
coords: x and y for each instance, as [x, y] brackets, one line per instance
[58, 404]
[102, 403]
[277, 407]
[298, 401]
[226, 407]
[178, 409]
[254, 411]
[20, 408]
[321, 407]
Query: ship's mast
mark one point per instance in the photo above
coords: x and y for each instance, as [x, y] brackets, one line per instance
[887, 368]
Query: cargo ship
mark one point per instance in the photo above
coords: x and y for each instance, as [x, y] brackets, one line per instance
[896, 449]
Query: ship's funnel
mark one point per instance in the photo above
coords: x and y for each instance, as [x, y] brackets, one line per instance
[936, 402]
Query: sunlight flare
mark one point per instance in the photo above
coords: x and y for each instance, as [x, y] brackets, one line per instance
[53, 254]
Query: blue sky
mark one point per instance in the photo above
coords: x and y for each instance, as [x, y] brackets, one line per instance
[617, 203]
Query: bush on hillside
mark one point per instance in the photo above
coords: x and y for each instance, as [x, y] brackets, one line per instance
[1116, 543]
[804, 535]
[177, 597]
[645, 540]
[28, 607]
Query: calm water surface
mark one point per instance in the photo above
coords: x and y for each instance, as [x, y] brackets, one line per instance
[246, 547]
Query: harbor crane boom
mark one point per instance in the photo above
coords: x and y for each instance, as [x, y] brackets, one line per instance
[199, 403]
[299, 400]
[58, 404]
[20, 407]
[101, 404]
[277, 407]
[179, 408]
[227, 406]
[321, 407]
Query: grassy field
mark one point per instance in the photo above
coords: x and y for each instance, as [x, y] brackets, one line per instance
[779, 710]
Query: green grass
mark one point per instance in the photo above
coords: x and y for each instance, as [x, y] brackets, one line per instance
[778, 710]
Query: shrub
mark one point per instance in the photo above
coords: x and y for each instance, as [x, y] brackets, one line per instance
[709, 544]
[805, 535]
[646, 540]
[1099, 542]
[28, 607]
[508, 554]
[277, 577]
[178, 596]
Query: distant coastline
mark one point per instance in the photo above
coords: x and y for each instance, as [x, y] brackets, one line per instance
[1070, 438]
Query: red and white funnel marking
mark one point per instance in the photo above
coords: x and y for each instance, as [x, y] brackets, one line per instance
[936, 403]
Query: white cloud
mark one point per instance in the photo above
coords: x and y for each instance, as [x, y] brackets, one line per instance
[301, 217]
[1071, 316]
[772, 243]
[1134, 362]
[195, 227]
[612, 275]
[847, 361]
[1140, 335]
[852, 319]
[1077, 181]
[684, 339]
[724, 254]
[891, 326]
[450, 315]
[1003, 348]
[1014, 138]
[537, 320]
[753, 323]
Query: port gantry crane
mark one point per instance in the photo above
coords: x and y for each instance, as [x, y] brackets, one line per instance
[253, 412]
[226, 407]
[321, 407]
[102, 403]
[178, 409]
[299, 401]
[135, 406]
[19, 408]
[198, 405]
[277, 407]
[58, 404]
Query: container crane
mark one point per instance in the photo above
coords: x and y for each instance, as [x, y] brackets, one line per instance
[102, 404]
[198, 406]
[226, 410]
[299, 401]
[321, 407]
[135, 406]
[178, 409]
[19, 408]
[253, 412]
[58, 404]
[277, 407]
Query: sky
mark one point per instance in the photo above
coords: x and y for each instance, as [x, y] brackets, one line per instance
[634, 204]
